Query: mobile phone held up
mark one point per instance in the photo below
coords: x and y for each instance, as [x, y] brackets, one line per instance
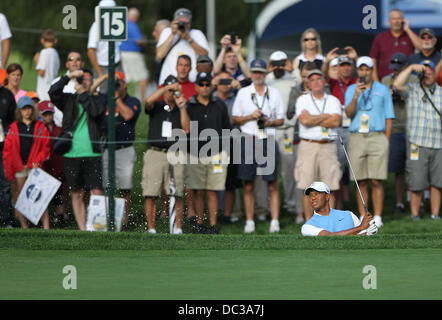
[362, 80]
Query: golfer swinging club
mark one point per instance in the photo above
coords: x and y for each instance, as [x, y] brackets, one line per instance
[331, 222]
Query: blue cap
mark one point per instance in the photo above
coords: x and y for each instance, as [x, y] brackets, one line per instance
[398, 61]
[25, 101]
[258, 65]
[429, 63]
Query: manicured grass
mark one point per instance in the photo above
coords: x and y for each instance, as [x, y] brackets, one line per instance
[222, 274]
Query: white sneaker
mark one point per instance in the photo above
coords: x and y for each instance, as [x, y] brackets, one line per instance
[178, 231]
[250, 226]
[378, 221]
[299, 220]
[274, 226]
[434, 217]
[152, 231]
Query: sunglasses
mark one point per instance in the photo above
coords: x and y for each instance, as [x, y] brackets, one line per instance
[205, 84]
[426, 37]
[74, 59]
[307, 39]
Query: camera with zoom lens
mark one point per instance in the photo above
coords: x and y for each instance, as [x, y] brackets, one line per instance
[261, 122]
[177, 94]
[182, 26]
[117, 85]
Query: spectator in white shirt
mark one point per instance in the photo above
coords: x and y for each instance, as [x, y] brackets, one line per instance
[48, 63]
[258, 110]
[179, 40]
[5, 35]
[98, 51]
[319, 114]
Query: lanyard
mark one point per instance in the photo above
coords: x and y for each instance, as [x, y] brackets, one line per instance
[365, 98]
[316, 106]
[255, 100]
[342, 87]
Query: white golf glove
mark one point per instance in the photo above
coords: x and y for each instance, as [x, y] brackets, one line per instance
[372, 229]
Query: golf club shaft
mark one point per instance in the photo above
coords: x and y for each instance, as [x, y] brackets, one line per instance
[353, 173]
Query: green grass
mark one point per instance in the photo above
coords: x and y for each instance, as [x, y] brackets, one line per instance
[136, 265]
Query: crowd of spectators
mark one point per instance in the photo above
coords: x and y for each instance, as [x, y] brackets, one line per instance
[300, 115]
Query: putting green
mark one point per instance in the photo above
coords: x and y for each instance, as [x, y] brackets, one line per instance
[221, 274]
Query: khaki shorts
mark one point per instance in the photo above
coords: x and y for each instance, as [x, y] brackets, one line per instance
[156, 175]
[205, 176]
[317, 162]
[23, 174]
[368, 153]
[134, 67]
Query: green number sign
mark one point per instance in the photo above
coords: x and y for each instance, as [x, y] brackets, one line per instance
[111, 23]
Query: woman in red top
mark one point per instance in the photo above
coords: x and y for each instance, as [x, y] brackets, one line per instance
[27, 146]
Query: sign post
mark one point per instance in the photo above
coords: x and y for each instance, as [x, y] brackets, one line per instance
[112, 27]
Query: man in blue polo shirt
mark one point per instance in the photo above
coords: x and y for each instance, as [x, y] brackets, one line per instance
[132, 59]
[330, 222]
[127, 110]
[369, 105]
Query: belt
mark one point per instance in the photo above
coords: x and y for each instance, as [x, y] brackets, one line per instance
[158, 149]
[318, 141]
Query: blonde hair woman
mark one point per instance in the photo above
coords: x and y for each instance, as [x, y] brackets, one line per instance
[311, 50]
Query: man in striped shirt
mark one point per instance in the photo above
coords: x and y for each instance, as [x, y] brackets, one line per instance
[424, 129]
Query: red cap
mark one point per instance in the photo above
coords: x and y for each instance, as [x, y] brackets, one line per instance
[46, 106]
[120, 75]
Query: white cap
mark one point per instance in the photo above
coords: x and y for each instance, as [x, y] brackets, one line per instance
[107, 3]
[364, 60]
[317, 186]
[278, 55]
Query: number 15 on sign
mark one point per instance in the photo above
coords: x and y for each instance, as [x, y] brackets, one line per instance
[111, 23]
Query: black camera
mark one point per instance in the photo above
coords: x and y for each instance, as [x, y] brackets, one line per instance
[278, 63]
[396, 97]
[182, 26]
[225, 81]
[233, 38]
[261, 121]
[421, 75]
[117, 85]
[80, 80]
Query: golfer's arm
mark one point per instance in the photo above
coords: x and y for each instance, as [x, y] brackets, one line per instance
[348, 232]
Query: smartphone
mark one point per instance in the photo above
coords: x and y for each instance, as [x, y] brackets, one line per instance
[225, 82]
[362, 80]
